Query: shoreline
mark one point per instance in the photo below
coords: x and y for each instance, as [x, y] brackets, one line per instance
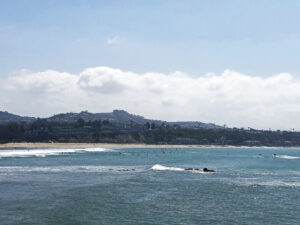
[96, 145]
[32, 145]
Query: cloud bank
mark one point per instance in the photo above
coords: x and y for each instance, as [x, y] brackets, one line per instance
[231, 98]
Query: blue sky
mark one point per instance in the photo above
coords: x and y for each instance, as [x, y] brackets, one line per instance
[254, 37]
[227, 62]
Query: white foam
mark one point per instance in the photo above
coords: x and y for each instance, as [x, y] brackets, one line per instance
[282, 184]
[46, 152]
[73, 169]
[161, 167]
[96, 150]
[274, 184]
[287, 157]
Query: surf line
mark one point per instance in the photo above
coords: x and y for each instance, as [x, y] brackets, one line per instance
[285, 156]
[47, 152]
[197, 170]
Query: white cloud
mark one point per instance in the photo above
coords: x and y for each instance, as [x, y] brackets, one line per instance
[113, 40]
[231, 98]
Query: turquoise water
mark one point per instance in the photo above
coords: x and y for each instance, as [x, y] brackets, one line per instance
[149, 186]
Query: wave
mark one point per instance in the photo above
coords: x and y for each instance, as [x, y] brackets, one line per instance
[281, 184]
[287, 157]
[46, 152]
[161, 167]
[73, 169]
[272, 184]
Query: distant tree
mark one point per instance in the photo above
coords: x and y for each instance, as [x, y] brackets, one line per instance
[153, 126]
[96, 123]
[106, 122]
[80, 122]
[147, 125]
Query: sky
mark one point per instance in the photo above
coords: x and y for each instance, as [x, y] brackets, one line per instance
[225, 62]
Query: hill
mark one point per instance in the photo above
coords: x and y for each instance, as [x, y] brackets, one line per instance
[6, 117]
[120, 126]
[116, 116]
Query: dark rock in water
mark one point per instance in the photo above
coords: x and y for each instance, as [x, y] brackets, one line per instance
[197, 169]
[207, 170]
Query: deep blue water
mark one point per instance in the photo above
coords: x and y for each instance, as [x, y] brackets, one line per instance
[121, 187]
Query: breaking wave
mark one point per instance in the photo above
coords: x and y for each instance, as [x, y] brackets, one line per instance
[73, 169]
[46, 152]
[287, 157]
[161, 167]
[275, 183]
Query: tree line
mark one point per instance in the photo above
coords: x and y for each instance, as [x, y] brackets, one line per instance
[106, 131]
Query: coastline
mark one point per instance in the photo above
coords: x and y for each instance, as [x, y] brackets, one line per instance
[33, 145]
[41, 145]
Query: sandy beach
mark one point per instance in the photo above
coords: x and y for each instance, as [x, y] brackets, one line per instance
[97, 145]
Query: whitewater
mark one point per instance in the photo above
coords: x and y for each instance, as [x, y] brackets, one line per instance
[46, 152]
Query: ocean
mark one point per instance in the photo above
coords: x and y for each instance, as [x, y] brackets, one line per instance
[150, 186]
